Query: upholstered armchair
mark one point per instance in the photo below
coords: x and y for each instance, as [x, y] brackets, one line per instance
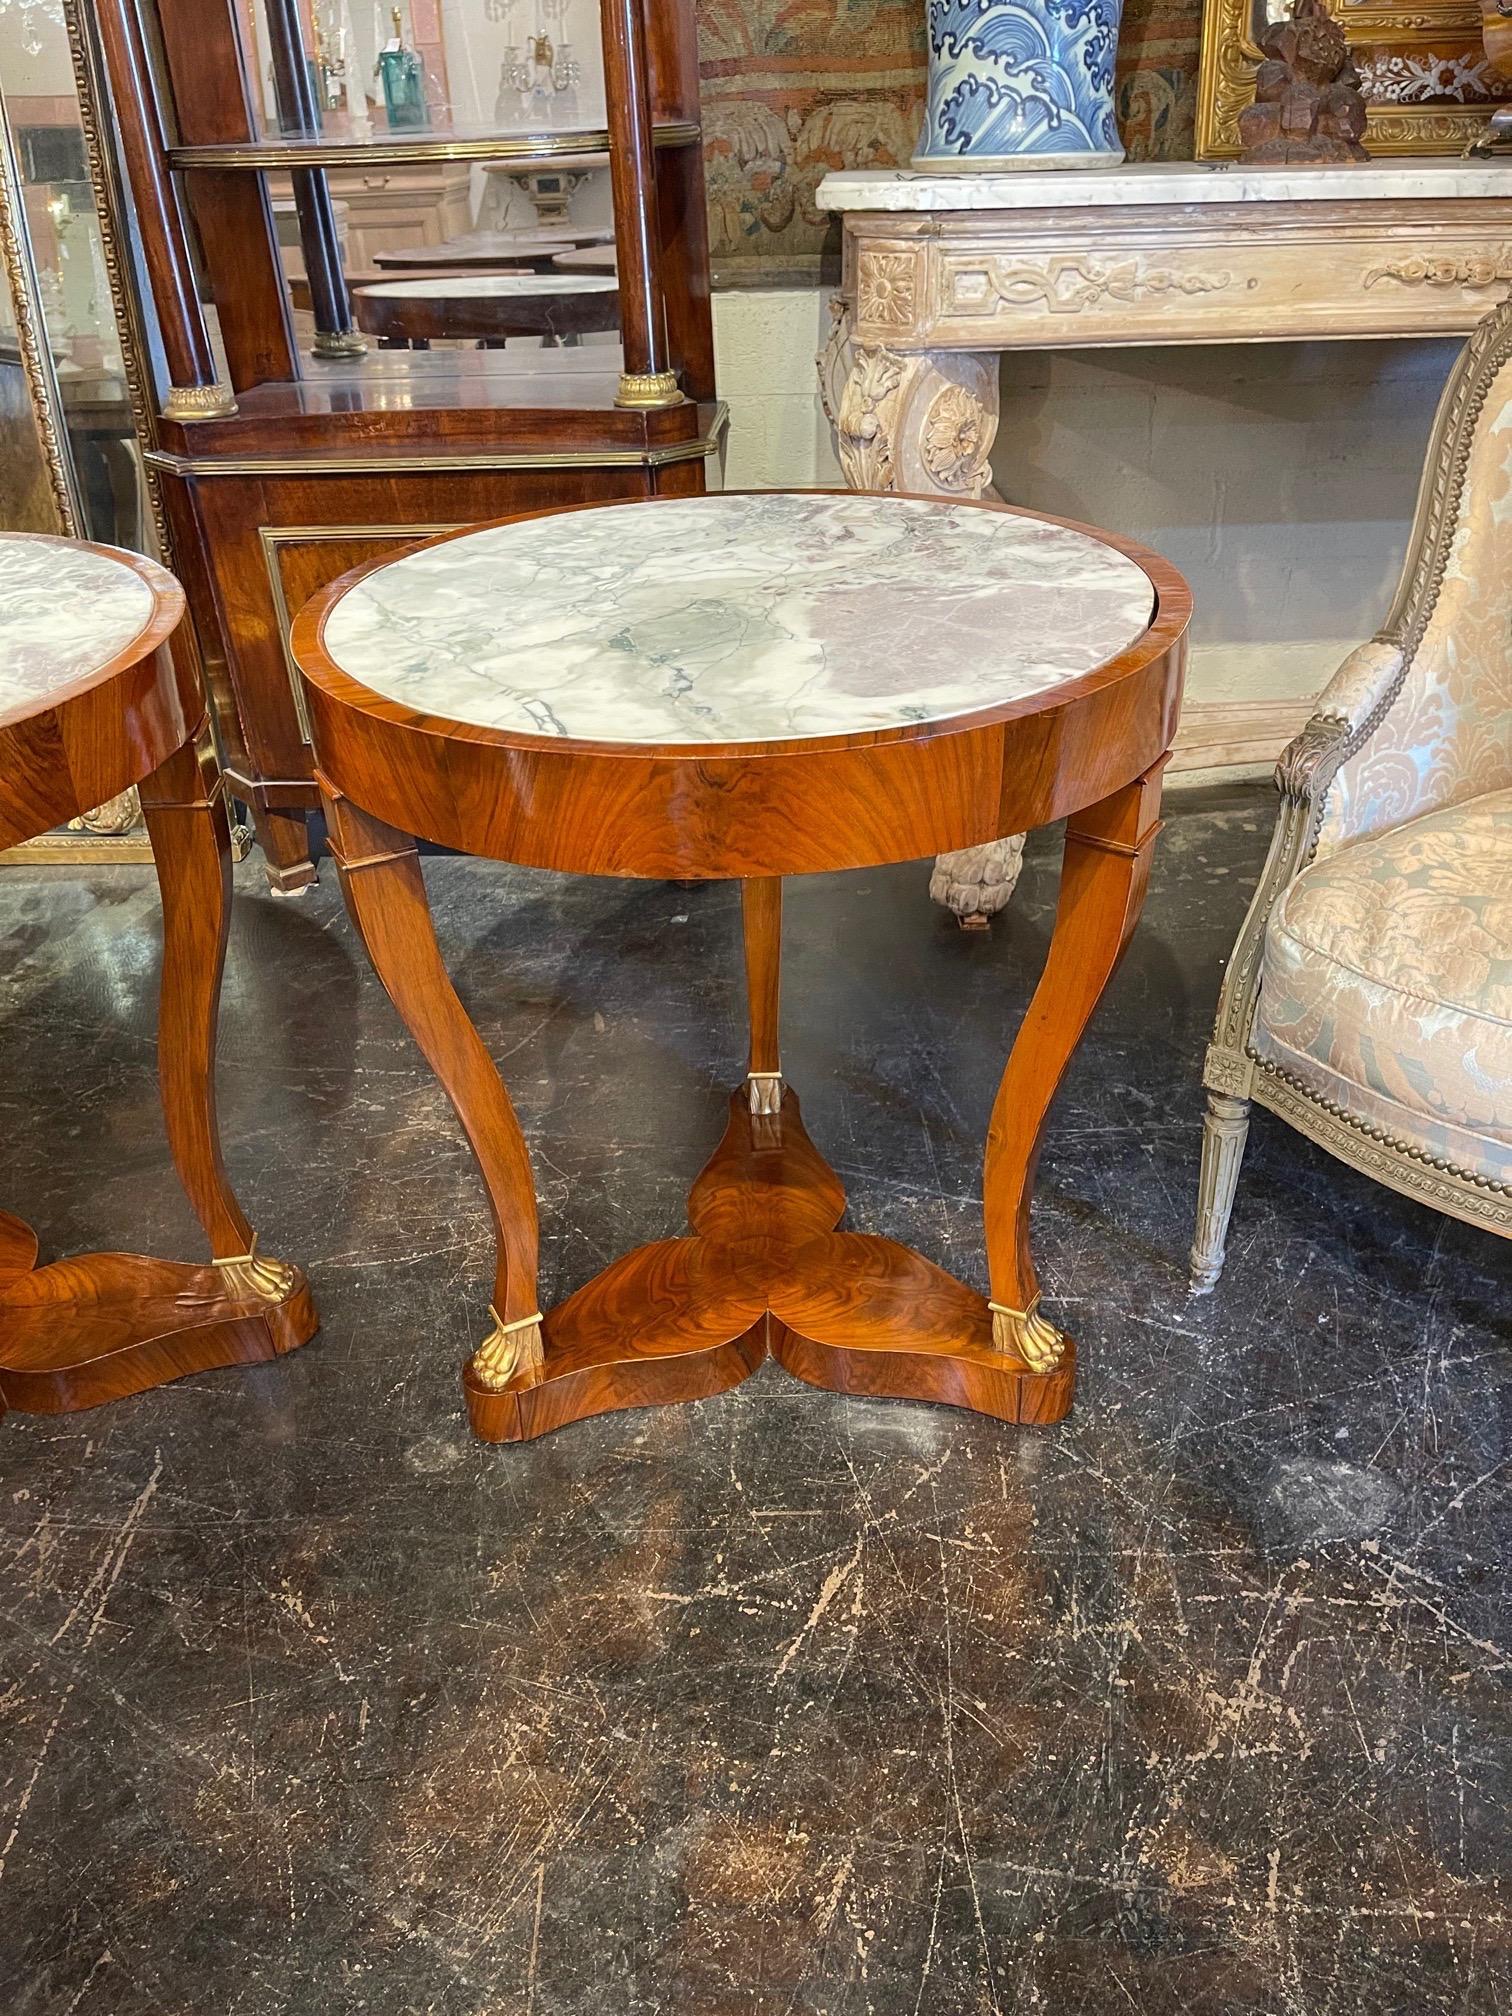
[1369, 998]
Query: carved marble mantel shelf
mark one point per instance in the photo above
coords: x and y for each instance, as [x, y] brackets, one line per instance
[942, 273]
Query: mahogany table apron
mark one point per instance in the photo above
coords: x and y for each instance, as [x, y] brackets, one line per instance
[99, 691]
[906, 675]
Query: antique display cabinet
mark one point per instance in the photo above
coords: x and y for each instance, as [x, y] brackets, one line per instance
[293, 166]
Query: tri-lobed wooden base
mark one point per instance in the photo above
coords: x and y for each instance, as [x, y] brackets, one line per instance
[766, 1274]
[101, 1326]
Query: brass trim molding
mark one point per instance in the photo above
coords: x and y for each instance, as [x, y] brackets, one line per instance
[249, 1276]
[1226, 78]
[699, 449]
[79, 850]
[398, 153]
[247, 788]
[764, 1091]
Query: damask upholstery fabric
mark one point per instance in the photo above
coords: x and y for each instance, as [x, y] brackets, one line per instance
[1386, 985]
[1448, 734]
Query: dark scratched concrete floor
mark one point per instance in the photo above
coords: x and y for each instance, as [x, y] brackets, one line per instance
[780, 1705]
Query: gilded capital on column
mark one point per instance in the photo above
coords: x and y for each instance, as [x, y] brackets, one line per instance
[648, 389]
[198, 402]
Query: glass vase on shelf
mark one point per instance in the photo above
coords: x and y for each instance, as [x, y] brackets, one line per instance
[403, 80]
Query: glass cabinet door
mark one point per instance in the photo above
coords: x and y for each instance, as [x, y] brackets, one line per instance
[380, 70]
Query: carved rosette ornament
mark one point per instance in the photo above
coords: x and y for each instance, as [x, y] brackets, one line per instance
[954, 440]
[887, 287]
[121, 814]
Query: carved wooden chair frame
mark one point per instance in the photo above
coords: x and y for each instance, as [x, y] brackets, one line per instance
[1355, 703]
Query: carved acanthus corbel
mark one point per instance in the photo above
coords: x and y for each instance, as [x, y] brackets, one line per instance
[833, 362]
[864, 431]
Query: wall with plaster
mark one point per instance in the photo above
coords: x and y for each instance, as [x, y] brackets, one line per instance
[1280, 478]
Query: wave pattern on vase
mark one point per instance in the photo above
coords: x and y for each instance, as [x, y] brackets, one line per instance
[1021, 83]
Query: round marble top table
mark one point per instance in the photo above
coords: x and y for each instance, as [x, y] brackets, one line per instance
[747, 687]
[487, 307]
[93, 701]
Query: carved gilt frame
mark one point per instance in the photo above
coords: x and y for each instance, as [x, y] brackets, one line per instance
[1450, 28]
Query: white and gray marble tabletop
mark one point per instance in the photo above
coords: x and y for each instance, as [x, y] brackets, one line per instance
[754, 618]
[64, 612]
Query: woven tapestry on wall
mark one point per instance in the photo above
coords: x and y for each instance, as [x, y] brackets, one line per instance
[793, 88]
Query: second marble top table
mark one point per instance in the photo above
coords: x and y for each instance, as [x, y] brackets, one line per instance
[746, 687]
[94, 700]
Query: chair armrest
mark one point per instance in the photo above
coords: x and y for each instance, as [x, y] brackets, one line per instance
[1362, 682]
[1347, 710]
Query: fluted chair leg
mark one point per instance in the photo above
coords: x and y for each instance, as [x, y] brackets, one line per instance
[1224, 1132]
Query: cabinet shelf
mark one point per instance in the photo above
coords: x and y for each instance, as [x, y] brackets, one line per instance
[393, 150]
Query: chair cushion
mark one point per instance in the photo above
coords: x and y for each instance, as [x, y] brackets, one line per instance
[1387, 983]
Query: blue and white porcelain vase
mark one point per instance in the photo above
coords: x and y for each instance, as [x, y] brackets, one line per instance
[1021, 84]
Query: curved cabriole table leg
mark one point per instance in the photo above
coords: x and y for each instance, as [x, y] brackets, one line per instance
[386, 901]
[659, 1325]
[100, 1326]
[865, 1315]
[1104, 875]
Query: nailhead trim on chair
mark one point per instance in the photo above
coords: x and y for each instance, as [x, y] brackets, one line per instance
[1379, 1134]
